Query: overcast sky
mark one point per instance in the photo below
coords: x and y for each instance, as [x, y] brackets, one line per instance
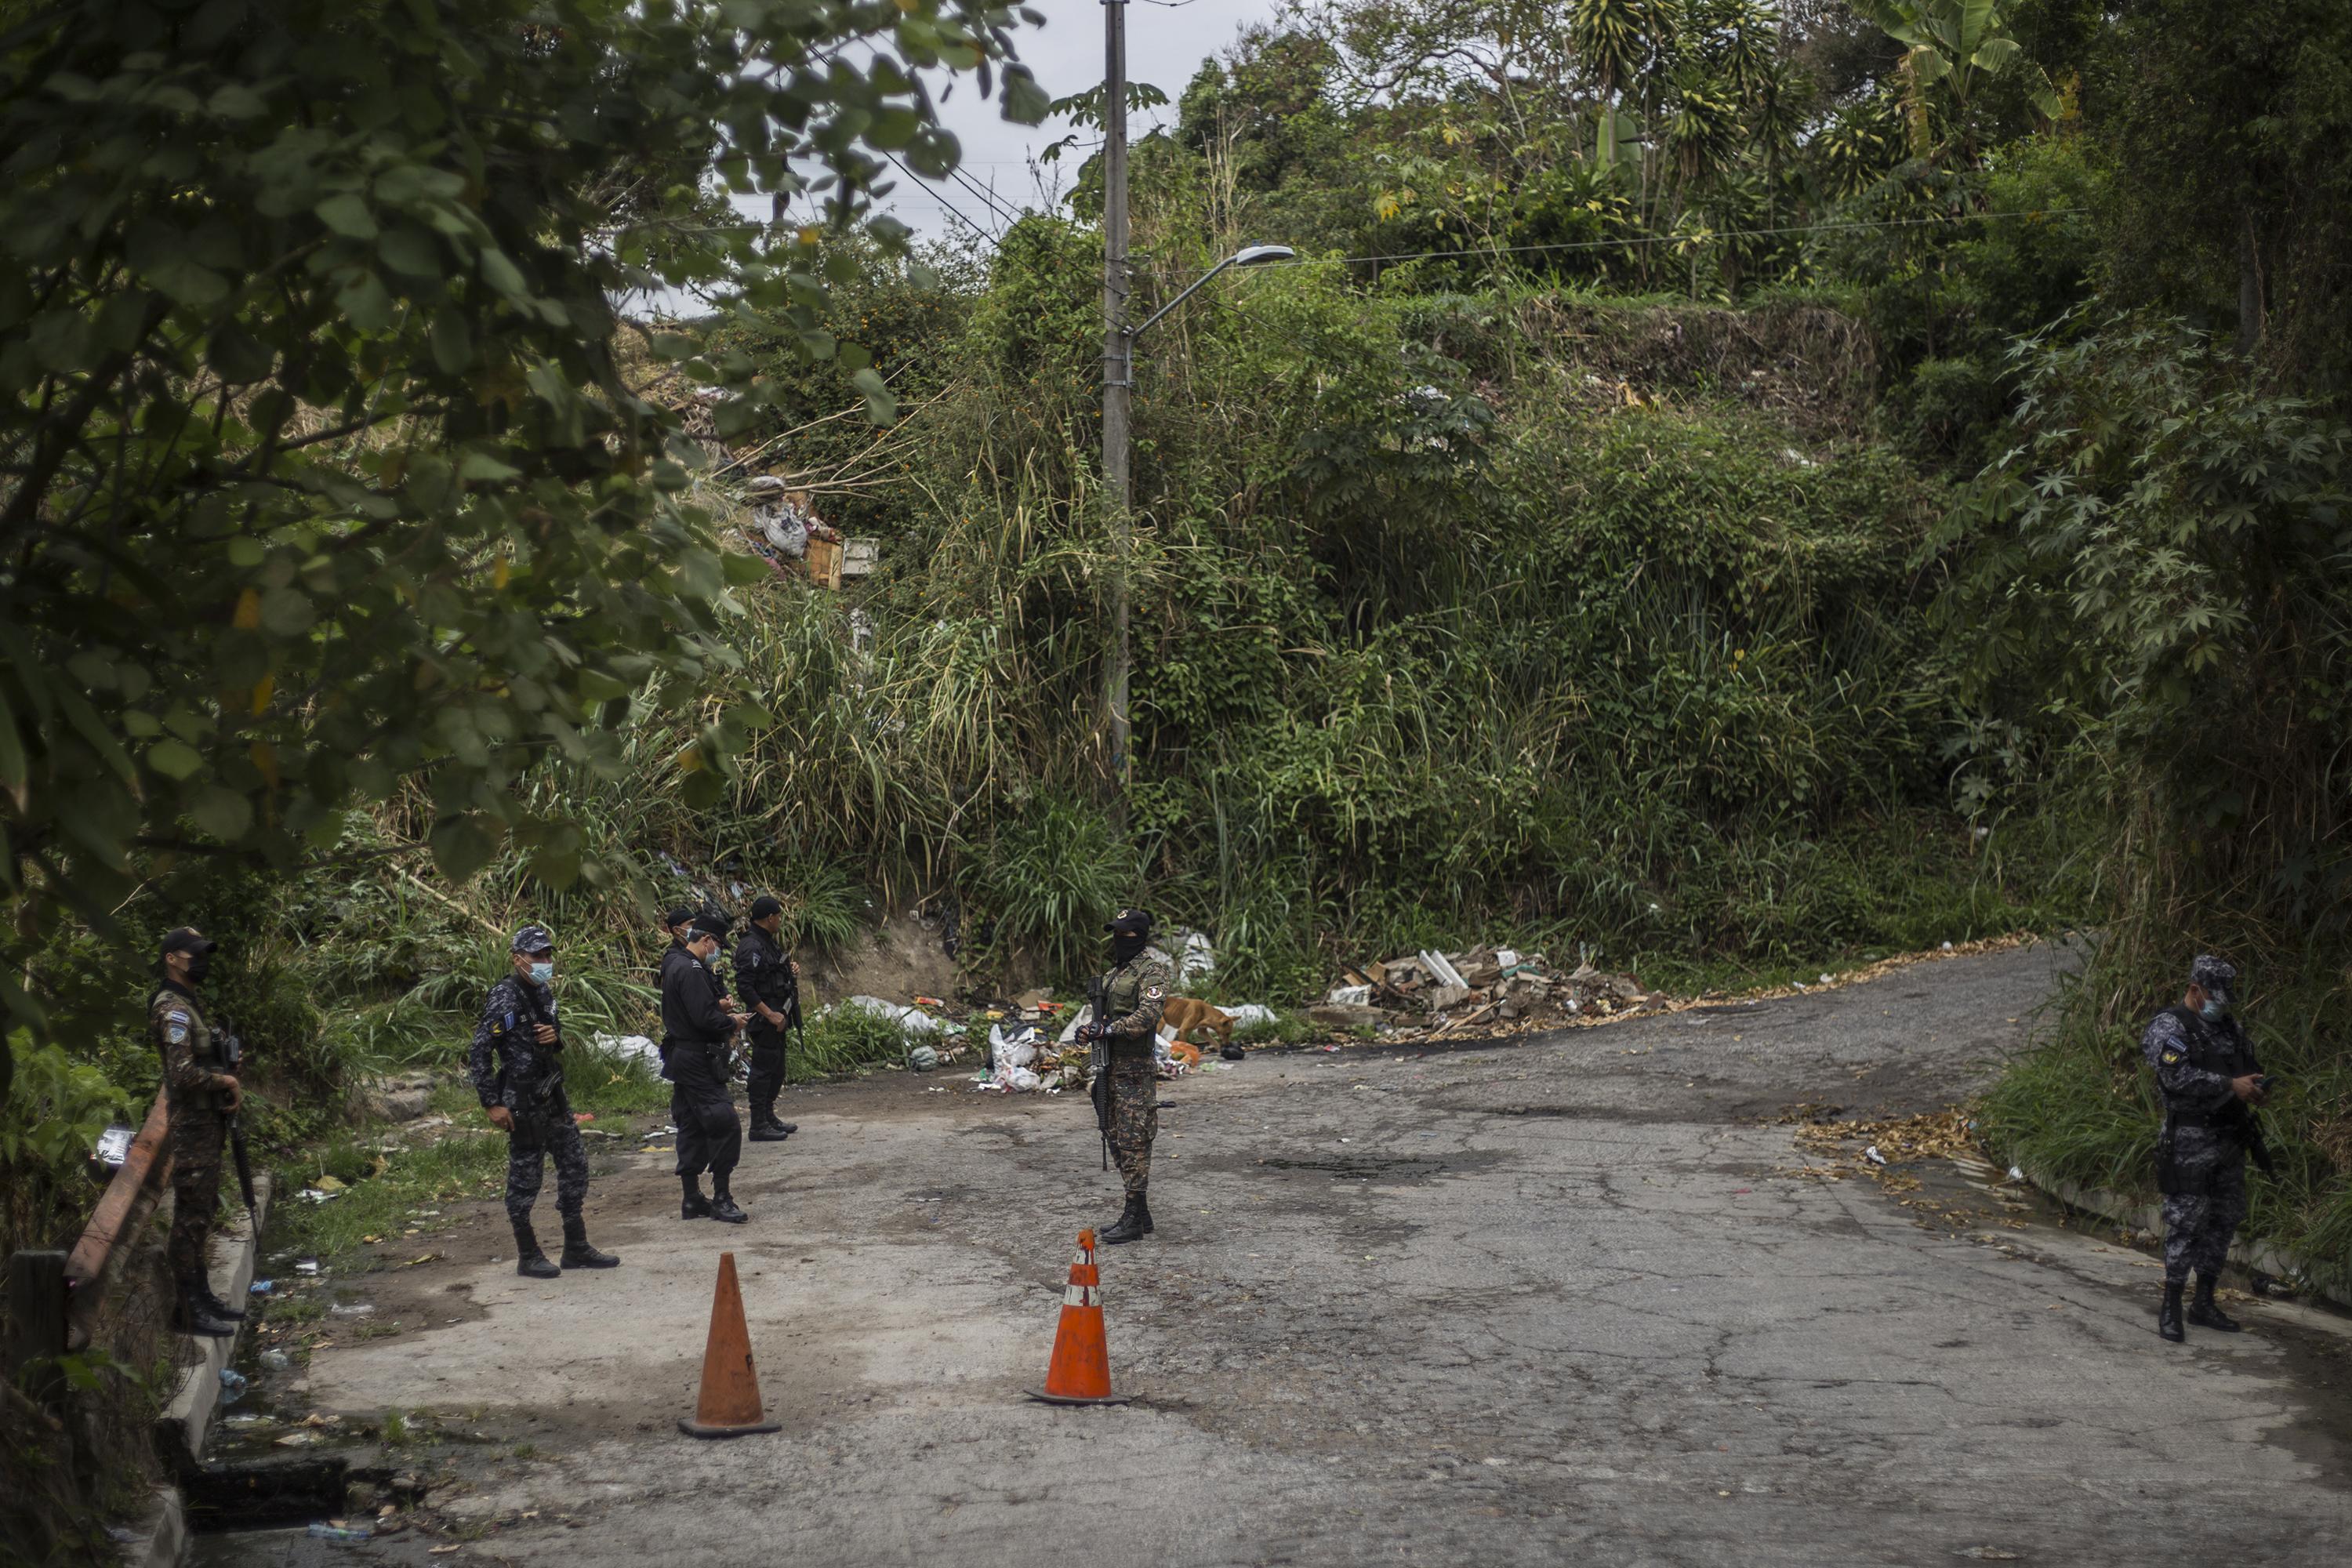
[1165, 45]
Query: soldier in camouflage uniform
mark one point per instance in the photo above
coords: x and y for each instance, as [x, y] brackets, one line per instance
[199, 1094]
[517, 1068]
[2205, 1066]
[1135, 993]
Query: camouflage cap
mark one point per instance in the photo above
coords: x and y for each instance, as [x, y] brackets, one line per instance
[533, 939]
[1130, 923]
[2216, 978]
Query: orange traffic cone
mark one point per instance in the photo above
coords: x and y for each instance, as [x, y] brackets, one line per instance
[729, 1404]
[1080, 1372]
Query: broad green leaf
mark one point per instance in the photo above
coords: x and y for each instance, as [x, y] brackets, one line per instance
[482, 466]
[175, 759]
[222, 812]
[288, 612]
[348, 213]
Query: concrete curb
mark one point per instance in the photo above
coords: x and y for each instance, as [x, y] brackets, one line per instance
[2258, 1255]
[161, 1539]
[187, 1421]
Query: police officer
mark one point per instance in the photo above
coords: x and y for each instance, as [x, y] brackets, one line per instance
[2205, 1066]
[200, 1094]
[517, 1068]
[697, 1029]
[1135, 993]
[767, 981]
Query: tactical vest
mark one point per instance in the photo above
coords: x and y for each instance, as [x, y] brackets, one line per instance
[2217, 1049]
[203, 1044]
[1122, 995]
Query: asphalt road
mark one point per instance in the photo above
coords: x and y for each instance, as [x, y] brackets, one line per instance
[1559, 1297]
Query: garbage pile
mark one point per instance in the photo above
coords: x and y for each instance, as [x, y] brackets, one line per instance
[782, 523]
[1497, 988]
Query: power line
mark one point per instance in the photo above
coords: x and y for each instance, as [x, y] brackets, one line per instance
[1707, 238]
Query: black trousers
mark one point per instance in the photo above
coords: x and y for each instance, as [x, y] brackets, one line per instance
[709, 1135]
[767, 1068]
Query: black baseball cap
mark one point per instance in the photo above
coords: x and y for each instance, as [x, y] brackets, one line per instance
[682, 915]
[188, 939]
[1130, 923]
[766, 904]
[710, 925]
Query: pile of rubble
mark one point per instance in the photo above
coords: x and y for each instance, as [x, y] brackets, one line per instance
[1494, 988]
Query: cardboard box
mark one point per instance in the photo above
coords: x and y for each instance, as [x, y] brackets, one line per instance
[825, 563]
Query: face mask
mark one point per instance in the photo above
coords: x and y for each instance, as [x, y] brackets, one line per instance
[199, 965]
[2214, 1011]
[1126, 948]
[542, 971]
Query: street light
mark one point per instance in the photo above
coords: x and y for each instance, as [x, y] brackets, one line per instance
[1247, 255]
[1118, 391]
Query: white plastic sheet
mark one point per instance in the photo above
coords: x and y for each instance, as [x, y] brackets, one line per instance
[627, 1045]
[910, 1020]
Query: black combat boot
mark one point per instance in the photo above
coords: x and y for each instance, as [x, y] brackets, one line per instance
[194, 1317]
[577, 1253]
[1134, 1223]
[218, 1308]
[766, 1129]
[2206, 1313]
[691, 1203]
[2167, 1317]
[529, 1261]
[722, 1202]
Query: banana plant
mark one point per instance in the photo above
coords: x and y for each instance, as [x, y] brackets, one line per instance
[1959, 43]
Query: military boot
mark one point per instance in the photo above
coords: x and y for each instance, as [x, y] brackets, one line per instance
[577, 1253]
[691, 1203]
[1133, 1225]
[193, 1317]
[529, 1261]
[2167, 1317]
[723, 1207]
[218, 1308]
[766, 1129]
[2206, 1313]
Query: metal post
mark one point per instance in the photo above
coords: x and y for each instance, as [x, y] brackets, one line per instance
[1118, 385]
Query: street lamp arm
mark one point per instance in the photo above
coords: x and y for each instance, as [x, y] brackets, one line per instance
[1248, 256]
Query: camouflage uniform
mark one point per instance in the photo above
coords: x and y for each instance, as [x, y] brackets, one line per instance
[199, 1124]
[510, 1068]
[2201, 1156]
[1135, 994]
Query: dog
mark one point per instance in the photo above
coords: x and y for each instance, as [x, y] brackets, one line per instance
[1184, 1015]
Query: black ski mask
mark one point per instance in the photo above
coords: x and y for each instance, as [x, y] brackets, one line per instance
[1126, 946]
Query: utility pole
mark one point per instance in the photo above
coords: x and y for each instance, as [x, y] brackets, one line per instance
[1118, 385]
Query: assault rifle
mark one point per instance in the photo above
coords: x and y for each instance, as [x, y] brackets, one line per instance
[2246, 1125]
[231, 1051]
[1098, 1064]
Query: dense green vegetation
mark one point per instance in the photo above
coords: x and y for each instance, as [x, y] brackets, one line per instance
[1724, 487]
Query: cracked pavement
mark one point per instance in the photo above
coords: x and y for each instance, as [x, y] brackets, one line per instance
[1490, 1305]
